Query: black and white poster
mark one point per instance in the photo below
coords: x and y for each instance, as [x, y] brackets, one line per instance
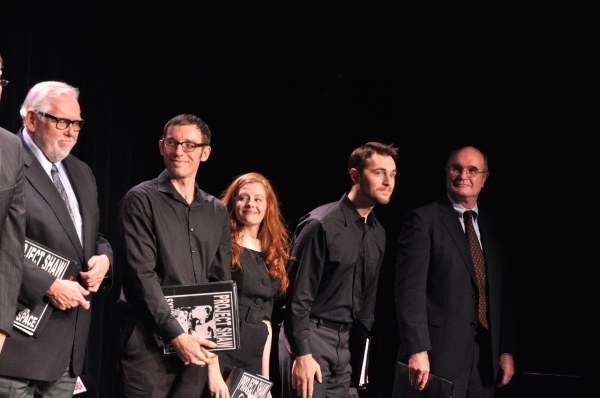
[32, 320]
[207, 310]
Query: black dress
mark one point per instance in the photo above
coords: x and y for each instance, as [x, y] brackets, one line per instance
[256, 290]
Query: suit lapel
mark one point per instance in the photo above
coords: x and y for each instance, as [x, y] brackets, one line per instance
[41, 182]
[452, 224]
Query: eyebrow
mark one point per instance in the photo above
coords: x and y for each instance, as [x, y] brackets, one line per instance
[467, 167]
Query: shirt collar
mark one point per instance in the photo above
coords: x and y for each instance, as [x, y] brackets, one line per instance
[46, 164]
[352, 215]
[165, 185]
[460, 210]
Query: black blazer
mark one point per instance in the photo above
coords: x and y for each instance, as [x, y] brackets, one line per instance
[437, 293]
[12, 226]
[48, 222]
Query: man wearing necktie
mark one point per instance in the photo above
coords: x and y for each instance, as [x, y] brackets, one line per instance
[63, 215]
[452, 302]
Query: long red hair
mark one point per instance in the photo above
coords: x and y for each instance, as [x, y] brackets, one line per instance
[273, 234]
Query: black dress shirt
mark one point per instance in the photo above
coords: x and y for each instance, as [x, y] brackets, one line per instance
[165, 241]
[334, 271]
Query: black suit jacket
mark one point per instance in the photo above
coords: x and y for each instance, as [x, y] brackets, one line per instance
[48, 222]
[12, 226]
[437, 293]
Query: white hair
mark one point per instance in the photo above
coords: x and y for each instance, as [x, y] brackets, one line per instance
[40, 95]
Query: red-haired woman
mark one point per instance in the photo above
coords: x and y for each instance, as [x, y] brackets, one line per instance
[259, 249]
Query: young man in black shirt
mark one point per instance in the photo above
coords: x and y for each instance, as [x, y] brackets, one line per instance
[170, 233]
[337, 252]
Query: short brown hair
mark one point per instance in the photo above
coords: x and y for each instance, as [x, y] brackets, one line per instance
[359, 156]
[189, 120]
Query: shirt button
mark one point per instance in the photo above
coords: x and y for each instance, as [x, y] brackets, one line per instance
[475, 296]
[191, 229]
[193, 251]
[258, 300]
[472, 324]
[265, 281]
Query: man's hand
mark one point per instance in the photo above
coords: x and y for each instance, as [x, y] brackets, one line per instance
[304, 372]
[191, 349]
[2, 338]
[97, 267]
[418, 370]
[65, 294]
[507, 369]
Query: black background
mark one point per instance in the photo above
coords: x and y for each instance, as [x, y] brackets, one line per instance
[290, 91]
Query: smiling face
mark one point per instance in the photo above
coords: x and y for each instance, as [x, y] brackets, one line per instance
[251, 206]
[56, 144]
[464, 188]
[183, 165]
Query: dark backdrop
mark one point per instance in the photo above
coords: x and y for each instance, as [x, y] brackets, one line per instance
[290, 91]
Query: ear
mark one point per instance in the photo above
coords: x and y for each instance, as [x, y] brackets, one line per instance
[484, 178]
[161, 147]
[354, 176]
[30, 121]
[205, 153]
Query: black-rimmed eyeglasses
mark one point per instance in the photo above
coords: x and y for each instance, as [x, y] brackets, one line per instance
[62, 123]
[3, 82]
[171, 144]
[457, 171]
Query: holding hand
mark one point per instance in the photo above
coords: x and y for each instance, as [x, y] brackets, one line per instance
[66, 294]
[97, 268]
[418, 370]
[191, 349]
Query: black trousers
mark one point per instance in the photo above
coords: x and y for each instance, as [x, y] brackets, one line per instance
[147, 373]
[477, 378]
[330, 350]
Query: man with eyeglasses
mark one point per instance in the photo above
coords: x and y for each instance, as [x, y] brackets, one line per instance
[452, 297]
[62, 214]
[170, 233]
[12, 224]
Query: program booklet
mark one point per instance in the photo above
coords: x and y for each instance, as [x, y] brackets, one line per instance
[32, 321]
[208, 310]
[359, 355]
[243, 384]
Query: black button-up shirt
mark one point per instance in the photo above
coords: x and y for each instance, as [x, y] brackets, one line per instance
[165, 241]
[334, 270]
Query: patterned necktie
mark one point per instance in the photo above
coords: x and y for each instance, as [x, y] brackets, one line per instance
[479, 262]
[61, 190]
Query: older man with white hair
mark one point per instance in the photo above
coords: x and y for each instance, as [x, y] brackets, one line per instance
[63, 215]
